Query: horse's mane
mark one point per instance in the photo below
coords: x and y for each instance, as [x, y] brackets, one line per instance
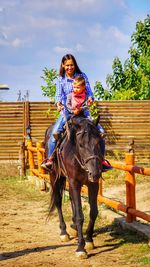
[80, 122]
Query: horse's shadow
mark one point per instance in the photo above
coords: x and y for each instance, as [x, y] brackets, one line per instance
[117, 238]
[19, 253]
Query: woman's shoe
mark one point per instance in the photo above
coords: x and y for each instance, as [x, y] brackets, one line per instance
[47, 164]
[106, 166]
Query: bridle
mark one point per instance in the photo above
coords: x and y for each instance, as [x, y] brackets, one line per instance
[84, 161]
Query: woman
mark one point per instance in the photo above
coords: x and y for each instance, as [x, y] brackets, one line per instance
[69, 69]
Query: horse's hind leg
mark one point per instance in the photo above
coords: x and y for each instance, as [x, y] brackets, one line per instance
[73, 227]
[92, 192]
[64, 236]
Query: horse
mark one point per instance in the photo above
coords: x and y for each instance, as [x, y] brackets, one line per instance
[79, 160]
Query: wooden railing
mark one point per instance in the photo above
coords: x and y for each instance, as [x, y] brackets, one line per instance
[128, 166]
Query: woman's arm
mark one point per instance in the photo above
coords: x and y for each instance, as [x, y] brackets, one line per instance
[88, 87]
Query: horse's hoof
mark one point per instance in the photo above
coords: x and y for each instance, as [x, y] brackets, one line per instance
[72, 232]
[81, 255]
[64, 238]
[89, 246]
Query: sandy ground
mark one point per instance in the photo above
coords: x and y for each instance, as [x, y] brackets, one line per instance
[26, 239]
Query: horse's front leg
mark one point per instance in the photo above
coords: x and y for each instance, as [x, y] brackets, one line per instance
[75, 192]
[92, 193]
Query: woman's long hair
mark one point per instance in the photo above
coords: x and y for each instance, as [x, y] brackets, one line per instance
[67, 57]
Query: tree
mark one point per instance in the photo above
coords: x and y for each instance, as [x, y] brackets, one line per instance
[50, 76]
[131, 81]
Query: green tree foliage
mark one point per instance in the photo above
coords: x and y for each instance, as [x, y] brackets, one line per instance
[130, 81]
[49, 77]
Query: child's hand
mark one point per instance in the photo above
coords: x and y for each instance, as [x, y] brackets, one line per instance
[90, 101]
[76, 111]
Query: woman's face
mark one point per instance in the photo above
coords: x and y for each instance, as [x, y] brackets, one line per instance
[69, 67]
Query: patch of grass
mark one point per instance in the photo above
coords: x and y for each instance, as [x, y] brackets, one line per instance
[9, 169]
[22, 188]
[116, 177]
[144, 260]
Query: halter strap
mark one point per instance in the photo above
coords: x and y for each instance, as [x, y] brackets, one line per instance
[82, 164]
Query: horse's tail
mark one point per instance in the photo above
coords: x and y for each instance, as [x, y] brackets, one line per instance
[56, 193]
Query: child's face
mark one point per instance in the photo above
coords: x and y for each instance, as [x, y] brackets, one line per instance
[78, 89]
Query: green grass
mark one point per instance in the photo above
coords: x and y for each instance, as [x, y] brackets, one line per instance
[116, 177]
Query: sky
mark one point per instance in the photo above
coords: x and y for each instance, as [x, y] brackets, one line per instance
[37, 34]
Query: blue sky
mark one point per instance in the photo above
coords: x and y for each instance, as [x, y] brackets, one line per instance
[36, 34]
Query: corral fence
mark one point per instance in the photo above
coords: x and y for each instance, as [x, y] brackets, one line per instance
[129, 208]
[124, 122]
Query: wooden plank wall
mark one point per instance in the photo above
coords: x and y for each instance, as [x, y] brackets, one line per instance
[11, 129]
[125, 121]
[122, 121]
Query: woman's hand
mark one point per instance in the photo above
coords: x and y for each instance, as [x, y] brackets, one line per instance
[59, 106]
[90, 101]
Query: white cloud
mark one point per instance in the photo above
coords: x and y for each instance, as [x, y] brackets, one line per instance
[16, 43]
[114, 32]
[59, 49]
[99, 33]
[95, 31]
[45, 22]
[80, 48]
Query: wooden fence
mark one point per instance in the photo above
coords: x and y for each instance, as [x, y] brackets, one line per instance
[129, 208]
[123, 122]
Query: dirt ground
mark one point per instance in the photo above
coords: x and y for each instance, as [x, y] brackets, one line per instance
[26, 239]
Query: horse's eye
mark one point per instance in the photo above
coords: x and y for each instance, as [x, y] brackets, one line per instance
[81, 145]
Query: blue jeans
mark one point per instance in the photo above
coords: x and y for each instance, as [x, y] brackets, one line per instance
[58, 127]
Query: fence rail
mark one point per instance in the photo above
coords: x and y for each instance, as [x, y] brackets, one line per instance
[129, 208]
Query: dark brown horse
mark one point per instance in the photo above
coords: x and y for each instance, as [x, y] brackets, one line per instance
[78, 159]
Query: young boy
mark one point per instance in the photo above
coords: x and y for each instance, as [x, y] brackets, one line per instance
[78, 96]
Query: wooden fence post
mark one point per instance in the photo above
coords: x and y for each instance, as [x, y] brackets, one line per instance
[130, 187]
[100, 192]
[40, 156]
[22, 164]
[31, 157]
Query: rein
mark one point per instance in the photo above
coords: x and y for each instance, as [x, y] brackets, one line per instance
[82, 164]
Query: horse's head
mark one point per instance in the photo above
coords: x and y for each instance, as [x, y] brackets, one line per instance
[87, 141]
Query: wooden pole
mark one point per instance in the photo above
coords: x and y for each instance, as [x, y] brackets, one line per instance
[31, 157]
[100, 192]
[22, 165]
[130, 187]
[40, 157]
